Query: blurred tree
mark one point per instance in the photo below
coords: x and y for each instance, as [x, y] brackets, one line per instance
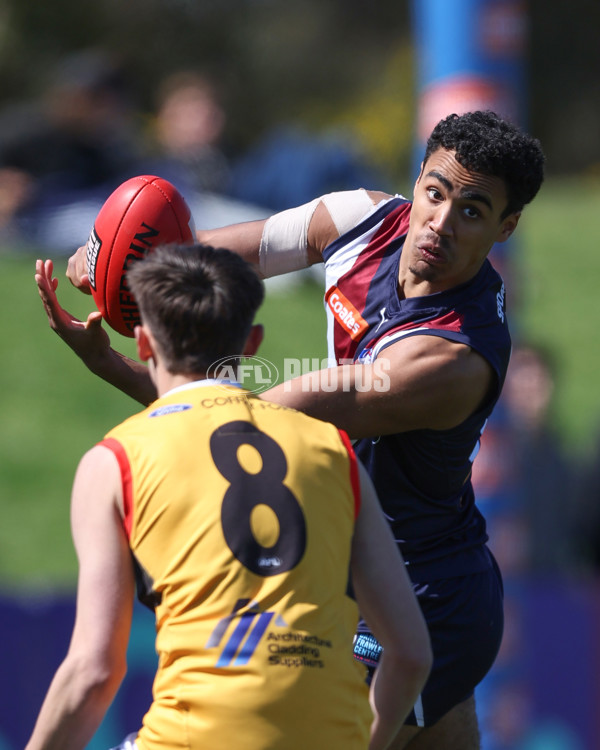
[325, 64]
[321, 63]
[564, 69]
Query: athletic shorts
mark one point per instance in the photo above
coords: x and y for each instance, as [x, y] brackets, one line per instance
[465, 619]
[128, 743]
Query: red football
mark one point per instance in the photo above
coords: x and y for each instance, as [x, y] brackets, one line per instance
[143, 212]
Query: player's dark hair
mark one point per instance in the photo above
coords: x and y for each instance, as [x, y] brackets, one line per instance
[487, 144]
[198, 301]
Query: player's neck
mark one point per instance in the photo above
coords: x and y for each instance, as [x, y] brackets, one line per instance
[166, 381]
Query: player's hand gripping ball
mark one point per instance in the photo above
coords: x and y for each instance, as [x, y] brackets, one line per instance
[143, 212]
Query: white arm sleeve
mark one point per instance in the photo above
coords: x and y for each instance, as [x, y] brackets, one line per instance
[284, 239]
[348, 207]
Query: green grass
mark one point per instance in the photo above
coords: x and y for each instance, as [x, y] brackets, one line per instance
[559, 268]
[53, 409]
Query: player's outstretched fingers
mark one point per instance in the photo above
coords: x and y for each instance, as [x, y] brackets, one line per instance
[43, 273]
[46, 286]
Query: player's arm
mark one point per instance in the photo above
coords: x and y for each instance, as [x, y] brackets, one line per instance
[91, 343]
[386, 601]
[243, 238]
[88, 678]
[285, 242]
[294, 238]
[420, 382]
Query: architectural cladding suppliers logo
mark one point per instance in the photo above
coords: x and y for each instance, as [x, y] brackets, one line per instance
[248, 630]
[255, 374]
[251, 625]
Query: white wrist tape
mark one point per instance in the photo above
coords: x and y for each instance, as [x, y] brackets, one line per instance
[284, 239]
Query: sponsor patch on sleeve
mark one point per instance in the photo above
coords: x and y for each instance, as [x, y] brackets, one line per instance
[162, 411]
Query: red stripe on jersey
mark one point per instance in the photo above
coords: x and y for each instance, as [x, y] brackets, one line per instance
[126, 484]
[355, 283]
[451, 321]
[394, 225]
[354, 478]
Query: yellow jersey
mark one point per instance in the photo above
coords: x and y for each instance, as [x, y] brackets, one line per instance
[240, 515]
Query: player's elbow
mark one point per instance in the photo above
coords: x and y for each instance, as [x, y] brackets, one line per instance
[98, 678]
[109, 674]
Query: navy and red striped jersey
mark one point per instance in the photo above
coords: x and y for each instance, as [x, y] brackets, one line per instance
[422, 476]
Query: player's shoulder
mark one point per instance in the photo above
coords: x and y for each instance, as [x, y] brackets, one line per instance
[347, 208]
[99, 464]
[378, 196]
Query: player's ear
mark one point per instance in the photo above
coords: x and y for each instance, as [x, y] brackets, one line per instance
[508, 226]
[254, 340]
[143, 340]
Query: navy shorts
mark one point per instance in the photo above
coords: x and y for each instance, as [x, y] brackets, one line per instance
[465, 620]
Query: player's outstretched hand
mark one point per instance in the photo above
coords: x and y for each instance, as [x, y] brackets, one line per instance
[77, 270]
[87, 339]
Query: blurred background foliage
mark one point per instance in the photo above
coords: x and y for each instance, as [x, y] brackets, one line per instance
[308, 61]
[326, 63]
[329, 67]
[339, 69]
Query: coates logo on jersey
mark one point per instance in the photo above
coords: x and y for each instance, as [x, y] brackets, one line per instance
[345, 313]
